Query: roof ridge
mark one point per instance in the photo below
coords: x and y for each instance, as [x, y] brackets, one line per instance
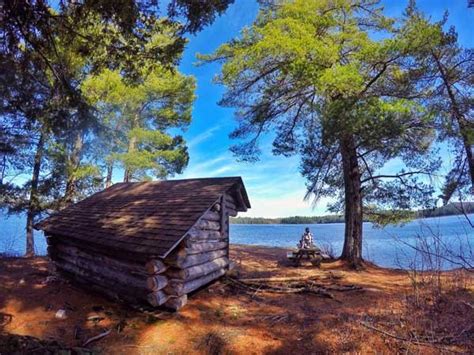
[190, 179]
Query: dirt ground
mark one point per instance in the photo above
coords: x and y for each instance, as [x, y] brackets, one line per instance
[225, 319]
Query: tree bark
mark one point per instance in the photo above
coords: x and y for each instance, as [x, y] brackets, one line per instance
[110, 170]
[4, 167]
[352, 250]
[468, 149]
[128, 174]
[74, 161]
[33, 203]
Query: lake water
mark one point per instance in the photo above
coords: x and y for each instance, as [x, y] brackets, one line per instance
[386, 247]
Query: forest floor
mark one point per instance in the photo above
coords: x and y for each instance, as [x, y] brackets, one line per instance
[372, 310]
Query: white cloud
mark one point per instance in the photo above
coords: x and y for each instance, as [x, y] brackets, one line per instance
[222, 170]
[289, 205]
[203, 168]
[274, 184]
[193, 142]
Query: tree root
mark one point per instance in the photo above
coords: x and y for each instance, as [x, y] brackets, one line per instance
[408, 340]
[97, 337]
[307, 287]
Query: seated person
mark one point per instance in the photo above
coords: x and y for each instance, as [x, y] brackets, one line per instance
[306, 241]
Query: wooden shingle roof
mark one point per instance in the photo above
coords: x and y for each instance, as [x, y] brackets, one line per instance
[142, 217]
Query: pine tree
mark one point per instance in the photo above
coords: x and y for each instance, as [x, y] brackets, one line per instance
[45, 54]
[138, 116]
[337, 83]
[450, 73]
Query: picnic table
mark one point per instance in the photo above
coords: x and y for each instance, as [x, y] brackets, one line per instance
[312, 254]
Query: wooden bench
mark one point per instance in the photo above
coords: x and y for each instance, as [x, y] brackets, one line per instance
[312, 254]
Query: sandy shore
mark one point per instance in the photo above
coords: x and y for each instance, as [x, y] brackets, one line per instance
[224, 318]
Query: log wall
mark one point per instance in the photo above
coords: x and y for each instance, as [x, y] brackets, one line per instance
[204, 254]
[202, 257]
[113, 276]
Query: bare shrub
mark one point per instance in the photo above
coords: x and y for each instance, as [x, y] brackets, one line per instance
[7, 245]
[438, 307]
[328, 249]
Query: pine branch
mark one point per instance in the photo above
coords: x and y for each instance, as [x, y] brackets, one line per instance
[396, 176]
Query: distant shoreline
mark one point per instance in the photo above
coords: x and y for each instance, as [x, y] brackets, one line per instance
[452, 209]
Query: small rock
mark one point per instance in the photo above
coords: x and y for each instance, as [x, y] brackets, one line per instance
[49, 280]
[61, 314]
[22, 282]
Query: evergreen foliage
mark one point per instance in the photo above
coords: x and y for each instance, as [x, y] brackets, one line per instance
[137, 116]
[337, 83]
[63, 136]
[449, 73]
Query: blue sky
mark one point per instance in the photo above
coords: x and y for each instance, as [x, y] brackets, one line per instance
[274, 184]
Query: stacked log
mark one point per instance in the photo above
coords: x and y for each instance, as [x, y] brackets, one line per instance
[204, 224]
[197, 248]
[97, 249]
[201, 258]
[199, 235]
[156, 282]
[186, 261]
[178, 287]
[230, 205]
[197, 271]
[176, 303]
[157, 298]
[213, 215]
[227, 203]
[111, 277]
[117, 278]
[75, 252]
[155, 266]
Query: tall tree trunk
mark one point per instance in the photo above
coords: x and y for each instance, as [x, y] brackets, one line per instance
[352, 250]
[74, 162]
[465, 129]
[33, 203]
[127, 177]
[110, 170]
[4, 167]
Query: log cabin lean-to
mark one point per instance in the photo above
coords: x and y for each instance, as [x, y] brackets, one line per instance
[152, 242]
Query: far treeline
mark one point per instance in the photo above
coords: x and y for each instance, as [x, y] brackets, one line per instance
[451, 209]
